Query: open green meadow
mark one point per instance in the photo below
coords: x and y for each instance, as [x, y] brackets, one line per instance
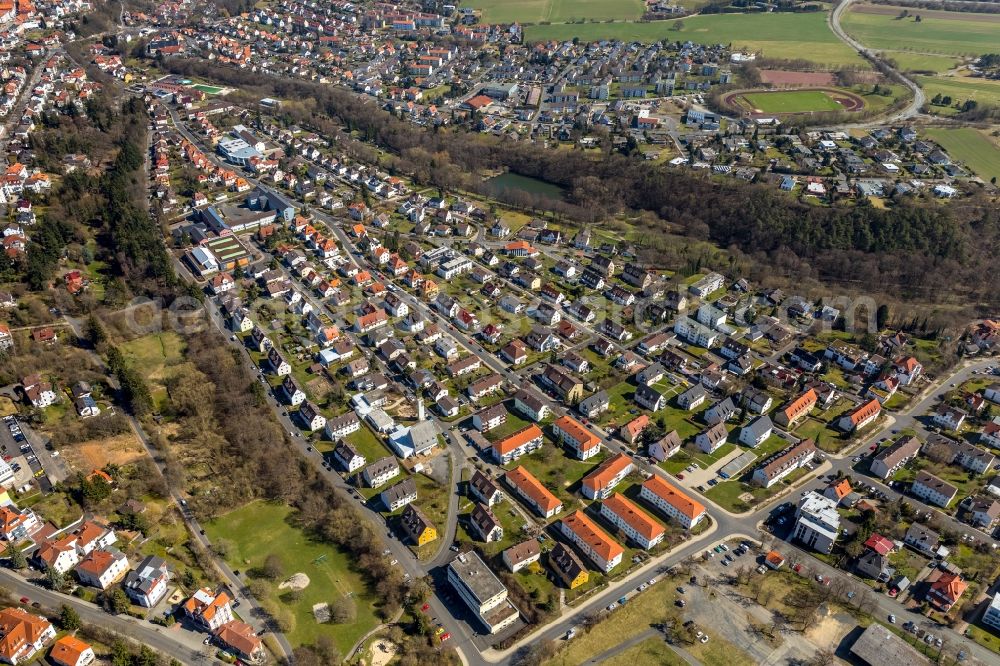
[945, 33]
[972, 147]
[959, 89]
[260, 529]
[792, 101]
[923, 62]
[781, 35]
[557, 11]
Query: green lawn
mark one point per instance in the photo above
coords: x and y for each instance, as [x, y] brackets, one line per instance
[776, 35]
[945, 33]
[558, 472]
[368, 444]
[557, 11]
[260, 529]
[650, 652]
[970, 146]
[792, 101]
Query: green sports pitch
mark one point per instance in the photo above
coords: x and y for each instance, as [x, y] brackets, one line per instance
[792, 101]
[558, 11]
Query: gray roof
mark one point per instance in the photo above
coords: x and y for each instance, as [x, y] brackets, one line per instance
[144, 576]
[878, 646]
[381, 466]
[476, 576]
[405, 488]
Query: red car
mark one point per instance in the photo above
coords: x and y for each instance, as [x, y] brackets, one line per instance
[24, 600]
[445, 637]
[425, 608]
[797, 568]
[680, 476]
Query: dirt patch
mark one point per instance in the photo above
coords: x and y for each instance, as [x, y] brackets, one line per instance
[830, 629]
[295, 582]
[318, 388]
[785, 77]
[381, 653]
[97, 453]
[849, 103]
[888, 10]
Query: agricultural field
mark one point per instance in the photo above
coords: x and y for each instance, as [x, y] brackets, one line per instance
[938, 32]
[792, 101]
[782, 35]
[959, 89]
[557, 11]
[923, 62]
[973, 147]
[254, 532]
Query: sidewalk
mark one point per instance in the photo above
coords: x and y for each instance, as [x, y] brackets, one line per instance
[641, 574]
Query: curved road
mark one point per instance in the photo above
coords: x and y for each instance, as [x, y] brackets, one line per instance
[919, 99]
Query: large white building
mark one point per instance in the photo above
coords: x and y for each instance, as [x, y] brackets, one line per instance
[481, 591]
[817, 522]
[695, 333]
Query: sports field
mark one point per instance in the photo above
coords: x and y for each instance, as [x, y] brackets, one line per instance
[776, 35]
[978, 151]
[938, 32]
[792, 101]
[557, 11]
[208, 90]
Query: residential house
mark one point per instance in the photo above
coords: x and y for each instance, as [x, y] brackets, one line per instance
[712, 438]
[485, 524]
[783, 463]
[922, 539]
[599, 483]
[592, 541]
[632, 431]
[789, 414]
[208, 610]
[754, 433]
[524, 484]
[594, 405]
[483, 489]
[347, 457]
[890, 459]
[649, 398]
[569, 569]
[933, 490]
[102, 568]
[417, 526]
[635, 523]
[861, 416]
[147, 583]
[488, 418]
[22, 635]
[665, 447]
[529, 404]
[399, 495]
[672, 502]
[69, 651]
[381, 471]
[517, 444]
[692, 398]
[576, 436]
[945, 590]
[523, 554]
[720, 412]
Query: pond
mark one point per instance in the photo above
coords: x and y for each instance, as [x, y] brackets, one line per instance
[512, 182]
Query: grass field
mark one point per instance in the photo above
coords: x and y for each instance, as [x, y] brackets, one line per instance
[959, 89]
[792, 101]
[650, 652]
[781, 35]
[557, 11]
[978, 151]
[156, 356]
[259, 529]
[944, 33]
[922, 62]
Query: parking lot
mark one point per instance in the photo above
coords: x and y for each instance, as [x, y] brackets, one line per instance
[25, 451]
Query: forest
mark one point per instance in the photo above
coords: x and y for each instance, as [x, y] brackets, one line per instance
[918, 251]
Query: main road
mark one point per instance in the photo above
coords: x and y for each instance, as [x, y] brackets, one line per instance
[919, 98]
